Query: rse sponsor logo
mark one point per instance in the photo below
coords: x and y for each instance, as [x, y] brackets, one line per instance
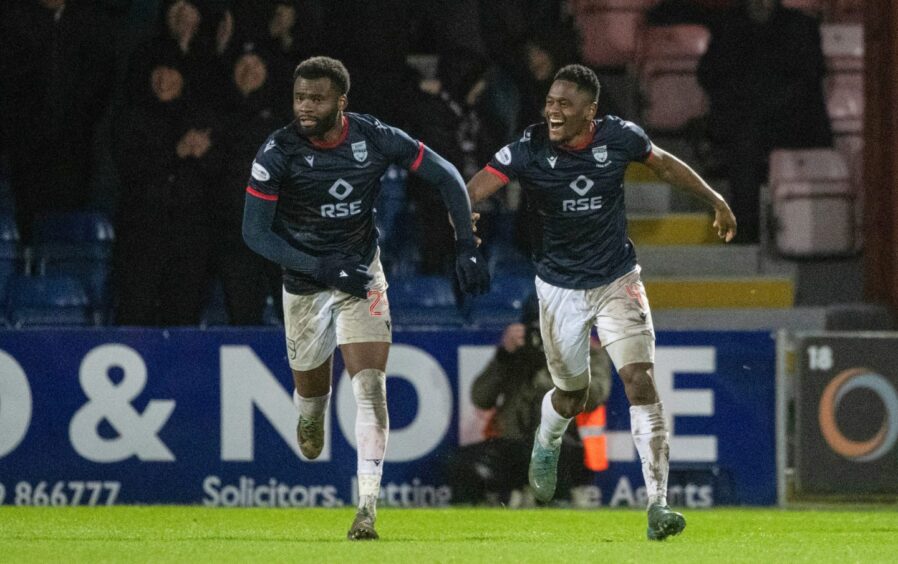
[582, 204]
[343, 209]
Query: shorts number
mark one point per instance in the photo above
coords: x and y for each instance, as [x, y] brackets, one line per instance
[635, 294]
[372, 307]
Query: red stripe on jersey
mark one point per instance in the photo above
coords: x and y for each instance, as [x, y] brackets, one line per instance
[253, 192]
[650, 156]
[497, 173]
[419, 158]
[331, 145]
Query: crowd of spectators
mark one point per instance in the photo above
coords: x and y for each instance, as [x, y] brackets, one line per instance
[160, 131]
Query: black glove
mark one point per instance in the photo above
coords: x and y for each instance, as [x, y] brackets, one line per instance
[345, 274]
[471, 268]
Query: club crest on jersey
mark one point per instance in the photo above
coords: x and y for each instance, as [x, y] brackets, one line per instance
[360, 151]
[600, 153]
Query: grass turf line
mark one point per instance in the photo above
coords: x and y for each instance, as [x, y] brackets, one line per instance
[155, 534]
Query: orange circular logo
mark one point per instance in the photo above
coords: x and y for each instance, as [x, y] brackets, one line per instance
[884, 439]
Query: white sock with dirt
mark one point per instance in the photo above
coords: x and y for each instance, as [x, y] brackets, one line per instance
[552, 425]
[312, 408]
[372, 429]
[653, 445]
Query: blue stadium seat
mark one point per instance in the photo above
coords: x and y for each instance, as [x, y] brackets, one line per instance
[424, 300]
[78, 244]
[9, 251]
[56, 300]
[506, 260]
[504, 303]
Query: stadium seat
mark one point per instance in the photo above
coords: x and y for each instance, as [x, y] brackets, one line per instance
[668, 60]
[503, 303]
[843, 47]
[610, 30]
[54, 300]
[9, 251]
[78, 244]
[814, 203]
[424, 300]
[845, 102]
[851, 147]
[505, 259]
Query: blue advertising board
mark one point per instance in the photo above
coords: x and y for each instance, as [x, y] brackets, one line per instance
[111, 416]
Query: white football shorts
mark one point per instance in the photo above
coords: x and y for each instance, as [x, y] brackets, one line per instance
[619, 310]
[316, 323]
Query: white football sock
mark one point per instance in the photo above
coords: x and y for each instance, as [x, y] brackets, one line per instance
[552, 425]
[312, 408]
[372, 429]
[653, 444]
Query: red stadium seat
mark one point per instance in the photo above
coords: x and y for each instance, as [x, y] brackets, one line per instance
[845, 102]
[814, 203]
[843, 47]
[851, 148]
[609, 36]
[668, 59]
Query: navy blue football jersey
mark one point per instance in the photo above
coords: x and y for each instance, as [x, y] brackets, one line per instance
[325, 193]
[578, 194]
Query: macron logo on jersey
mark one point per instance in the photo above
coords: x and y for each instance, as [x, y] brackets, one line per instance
[552, 160]
[310, 159]
[268, 146]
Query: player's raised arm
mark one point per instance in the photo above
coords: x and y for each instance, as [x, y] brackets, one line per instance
[470, 265]
[672, 170]
[484, 184]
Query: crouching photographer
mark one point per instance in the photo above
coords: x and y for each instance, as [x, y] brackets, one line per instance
[512, 387]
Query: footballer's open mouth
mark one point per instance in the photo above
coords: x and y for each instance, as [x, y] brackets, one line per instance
[307, 121]
[555, 124]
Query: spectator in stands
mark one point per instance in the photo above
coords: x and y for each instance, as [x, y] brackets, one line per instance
[512, 385]
[57, 69]
[763, 73]
[443, 112]
[164, 148]
[288, 31]
[190, 35]
[247, 278]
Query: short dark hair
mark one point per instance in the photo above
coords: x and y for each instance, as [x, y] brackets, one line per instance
[583, 77]
[324, 67]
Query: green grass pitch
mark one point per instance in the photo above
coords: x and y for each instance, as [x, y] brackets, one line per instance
[195, 534]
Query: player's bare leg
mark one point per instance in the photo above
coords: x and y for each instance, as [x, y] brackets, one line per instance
[367, 363]
[311, 397]
[558, 408]
[653, 444]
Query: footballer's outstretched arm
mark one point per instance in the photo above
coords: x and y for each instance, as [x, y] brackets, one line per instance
[483, 185]
[258, 217]
[445, 177]
[672, 170]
